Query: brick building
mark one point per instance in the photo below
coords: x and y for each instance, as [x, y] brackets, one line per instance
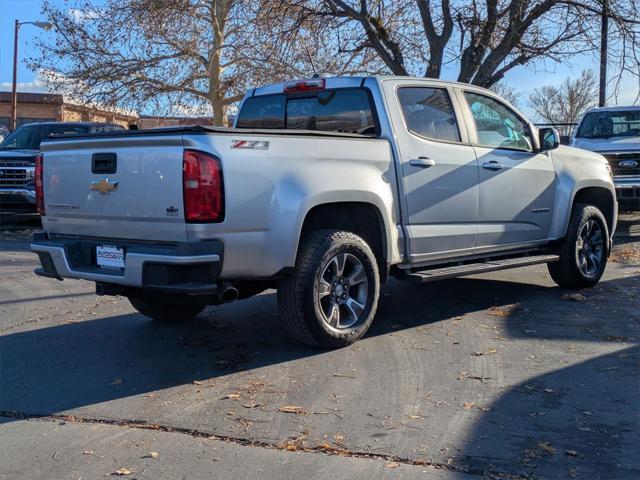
[49, 107]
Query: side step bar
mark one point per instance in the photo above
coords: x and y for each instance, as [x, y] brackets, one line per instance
[473, 268]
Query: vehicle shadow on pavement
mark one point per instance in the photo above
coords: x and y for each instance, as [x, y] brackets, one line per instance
[575, 422]
[58, 368]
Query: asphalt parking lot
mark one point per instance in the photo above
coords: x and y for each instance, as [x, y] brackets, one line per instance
[499, 376]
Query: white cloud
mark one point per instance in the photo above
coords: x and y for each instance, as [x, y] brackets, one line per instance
[82, 15]
[40, 84]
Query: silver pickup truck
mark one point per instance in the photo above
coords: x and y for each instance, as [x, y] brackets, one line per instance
[323, 189]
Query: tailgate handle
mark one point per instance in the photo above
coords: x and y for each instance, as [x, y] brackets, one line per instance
[104, 163]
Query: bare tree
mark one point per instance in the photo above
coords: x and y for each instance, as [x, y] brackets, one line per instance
[507, 92]
[486, 38]
[179, 56]
[565, 104]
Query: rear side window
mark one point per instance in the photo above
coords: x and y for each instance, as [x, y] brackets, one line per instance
[339, 110]
[428, 112]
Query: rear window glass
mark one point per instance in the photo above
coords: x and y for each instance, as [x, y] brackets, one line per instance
[429, 113]
[341, 110]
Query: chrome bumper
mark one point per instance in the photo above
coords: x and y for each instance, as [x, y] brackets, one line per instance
[25, 194]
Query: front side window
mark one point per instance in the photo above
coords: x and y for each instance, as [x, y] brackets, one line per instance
[607, 124]
[429, 113]
[497, 125]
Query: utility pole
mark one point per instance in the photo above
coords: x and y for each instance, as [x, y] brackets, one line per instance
[14, 94]
[604, 34]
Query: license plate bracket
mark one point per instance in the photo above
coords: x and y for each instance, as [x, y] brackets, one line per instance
[110, 256]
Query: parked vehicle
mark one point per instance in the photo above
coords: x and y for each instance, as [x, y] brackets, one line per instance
[324, 188]
[615, 133]
[19, 150]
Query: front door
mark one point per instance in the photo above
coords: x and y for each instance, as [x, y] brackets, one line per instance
[439, 171]
[516, 184]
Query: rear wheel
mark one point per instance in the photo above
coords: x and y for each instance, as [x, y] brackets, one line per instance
[583, 254]
[332, 296]
[174, 310]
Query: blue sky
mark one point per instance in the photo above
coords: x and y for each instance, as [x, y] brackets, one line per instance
[523, 79]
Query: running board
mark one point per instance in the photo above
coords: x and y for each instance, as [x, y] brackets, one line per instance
[473, 268]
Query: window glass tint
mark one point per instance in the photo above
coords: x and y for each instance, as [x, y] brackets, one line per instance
[429, 113]
[340, 110]
[262, 112]
[607, 124]
[497, 125]
[30, 136]
[332, 111]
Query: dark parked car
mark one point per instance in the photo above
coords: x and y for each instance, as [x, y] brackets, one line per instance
[18, 152]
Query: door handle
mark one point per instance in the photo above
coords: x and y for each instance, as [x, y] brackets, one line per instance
[422, 162]
[492, 165]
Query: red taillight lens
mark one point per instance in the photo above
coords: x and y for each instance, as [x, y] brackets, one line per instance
[305, 85]
[38, 179]
[202, 187]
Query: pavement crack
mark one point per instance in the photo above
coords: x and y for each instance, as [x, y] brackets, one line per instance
[285, 446]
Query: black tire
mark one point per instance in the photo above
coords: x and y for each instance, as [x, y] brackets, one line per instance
[569, 271]
[167, 311]
[302, 305]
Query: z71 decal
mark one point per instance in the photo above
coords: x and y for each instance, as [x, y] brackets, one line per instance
[250, 144]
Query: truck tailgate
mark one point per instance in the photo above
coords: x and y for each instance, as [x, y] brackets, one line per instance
[120, 187]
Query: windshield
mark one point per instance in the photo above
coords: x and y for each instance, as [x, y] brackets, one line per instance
[28, 137]
[610, 124]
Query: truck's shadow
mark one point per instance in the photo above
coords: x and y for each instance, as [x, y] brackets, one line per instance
[58, 368]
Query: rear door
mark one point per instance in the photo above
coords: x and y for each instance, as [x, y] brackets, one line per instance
[516, 184]
[439, 170]
[120, 187]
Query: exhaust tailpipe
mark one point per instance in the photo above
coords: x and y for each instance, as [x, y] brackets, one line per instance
[227, 293]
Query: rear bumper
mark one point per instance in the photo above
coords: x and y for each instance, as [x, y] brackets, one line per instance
[190, 268]
[17, 196]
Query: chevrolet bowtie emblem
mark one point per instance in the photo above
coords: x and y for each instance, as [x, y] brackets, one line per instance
[104, 186]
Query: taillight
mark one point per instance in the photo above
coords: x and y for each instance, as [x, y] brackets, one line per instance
[202, 187]
[38, 179]
[305, 85]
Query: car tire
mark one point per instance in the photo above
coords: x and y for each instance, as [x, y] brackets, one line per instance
[168, 311]
[584, 251]
[331, 298]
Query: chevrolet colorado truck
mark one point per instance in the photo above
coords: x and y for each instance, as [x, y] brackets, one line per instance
[18, 152]
[614, 132]
[323, 188]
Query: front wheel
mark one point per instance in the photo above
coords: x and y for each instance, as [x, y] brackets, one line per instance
[173, 310]
[583, 254]
[332, 296]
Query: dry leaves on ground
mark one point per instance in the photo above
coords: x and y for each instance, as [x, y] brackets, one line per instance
[626, 254]
[505, 310]
[472, 405]
[574, 297]
[488, 352]
[292, 409]
[231, 396]
[121, 472]
[392, 465]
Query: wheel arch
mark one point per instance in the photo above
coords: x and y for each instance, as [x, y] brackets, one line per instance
[599, 197]
[363, 218]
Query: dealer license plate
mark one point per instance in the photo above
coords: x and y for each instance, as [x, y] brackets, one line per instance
[108, 256]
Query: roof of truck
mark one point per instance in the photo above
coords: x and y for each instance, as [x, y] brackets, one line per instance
[615, 108]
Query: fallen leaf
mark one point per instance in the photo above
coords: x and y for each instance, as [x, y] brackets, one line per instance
[153, 455]
[292, 409]
[571, 453]
[231, 396]
[88, 452]
[488, 352]
[415, 417]
[197, 382]
[392, 465]
[546, 447]
[574, 297]
[117, 381]
[121, 472]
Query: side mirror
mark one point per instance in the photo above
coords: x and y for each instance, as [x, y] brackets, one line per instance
[549, 138]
